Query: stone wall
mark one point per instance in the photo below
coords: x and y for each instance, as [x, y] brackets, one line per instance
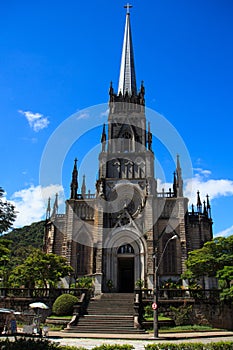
[217, 315]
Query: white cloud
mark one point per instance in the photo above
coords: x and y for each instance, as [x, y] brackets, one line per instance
[201, 182]
[31, 203]
[105, 113]
[214, 188]
[164, 186]
[200, 172]
[36, 120]
[83, 116]
[225, 233]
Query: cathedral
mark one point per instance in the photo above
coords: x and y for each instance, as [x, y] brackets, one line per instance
[127, 229]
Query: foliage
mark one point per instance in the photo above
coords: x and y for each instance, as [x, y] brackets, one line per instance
[4, 258]
[113, 347]
[171, 284]
[44, 344]
[110, 285]
[214, 259]
[148, 311]
[7, 213]
[187, 328]
[84, 282]
[139, 283]
[19, 243]
[225, 277]
[30, 235]
[182, 315]
[190, 346]
[28, 344]
[40, 270]
[172, 346]
[64, 304]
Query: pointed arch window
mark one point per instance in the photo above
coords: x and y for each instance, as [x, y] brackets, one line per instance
[126, 140]
[170, 255]
[83, 257]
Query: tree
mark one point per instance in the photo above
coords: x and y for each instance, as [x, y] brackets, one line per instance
[5, 253]
[214, 259]
[40, 270]
[7, 213]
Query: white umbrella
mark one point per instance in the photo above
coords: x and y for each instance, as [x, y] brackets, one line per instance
[38, 305]
[6, 311]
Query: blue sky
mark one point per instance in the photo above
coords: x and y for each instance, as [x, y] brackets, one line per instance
[58, 58]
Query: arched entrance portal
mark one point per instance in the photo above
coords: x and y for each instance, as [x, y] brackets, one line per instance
[125, 262]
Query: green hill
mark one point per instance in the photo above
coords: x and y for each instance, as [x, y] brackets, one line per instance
[27, 236]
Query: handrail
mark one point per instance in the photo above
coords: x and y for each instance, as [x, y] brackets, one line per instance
[179, 293]
[38, 292]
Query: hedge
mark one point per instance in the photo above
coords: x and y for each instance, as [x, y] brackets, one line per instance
[114, 347]
[45, 344]
[28, 344]
[191, 346]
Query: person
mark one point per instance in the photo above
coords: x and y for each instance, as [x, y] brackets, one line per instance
[45, 331]
[11, 323]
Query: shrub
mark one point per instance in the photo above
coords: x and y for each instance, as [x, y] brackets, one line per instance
[84, 282]
[148, 311]
[28, 344]
[190, 346]
[64, 304]
[114, 347]
[182, 315]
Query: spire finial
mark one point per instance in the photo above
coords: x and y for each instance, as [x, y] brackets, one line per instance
[208, 206]
[128, 6]
[83, 189]
[127, 78]
[149, 136]
[74, 182]
[179, 177]
[199, 205]
[48, 211]
[55, 205]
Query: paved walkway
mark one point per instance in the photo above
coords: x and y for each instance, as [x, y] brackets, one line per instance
[138, 341]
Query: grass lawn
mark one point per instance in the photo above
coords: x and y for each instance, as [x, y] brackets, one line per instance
[53, 317]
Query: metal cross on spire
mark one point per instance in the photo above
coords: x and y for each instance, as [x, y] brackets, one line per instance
[128, 6]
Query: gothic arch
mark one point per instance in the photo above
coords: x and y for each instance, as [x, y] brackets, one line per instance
[127, 138]
[121, 237]
[169, 259]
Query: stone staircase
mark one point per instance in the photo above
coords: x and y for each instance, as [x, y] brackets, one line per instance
[111, 313]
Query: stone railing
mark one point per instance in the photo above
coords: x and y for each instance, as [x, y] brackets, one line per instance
[38, 292]
[196, 294]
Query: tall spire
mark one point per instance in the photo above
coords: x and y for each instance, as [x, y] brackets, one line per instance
[208, 206]
[48, 211]
[199, 205]
[127, 80]
[103, 138]
[74, 182]
[83, 189]
[179, 177]
[55, 206]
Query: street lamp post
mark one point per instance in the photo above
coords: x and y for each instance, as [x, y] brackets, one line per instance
[156, 284]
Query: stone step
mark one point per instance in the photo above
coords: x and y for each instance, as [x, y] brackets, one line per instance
[109, 313]
[105, 331]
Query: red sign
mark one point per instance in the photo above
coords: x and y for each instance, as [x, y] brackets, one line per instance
[154, 306]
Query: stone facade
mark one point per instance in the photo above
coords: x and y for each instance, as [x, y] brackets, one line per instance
[115, 233]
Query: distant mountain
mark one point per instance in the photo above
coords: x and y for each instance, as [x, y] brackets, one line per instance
[28, 235]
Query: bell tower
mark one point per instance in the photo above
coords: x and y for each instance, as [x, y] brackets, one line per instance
[126, 178]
